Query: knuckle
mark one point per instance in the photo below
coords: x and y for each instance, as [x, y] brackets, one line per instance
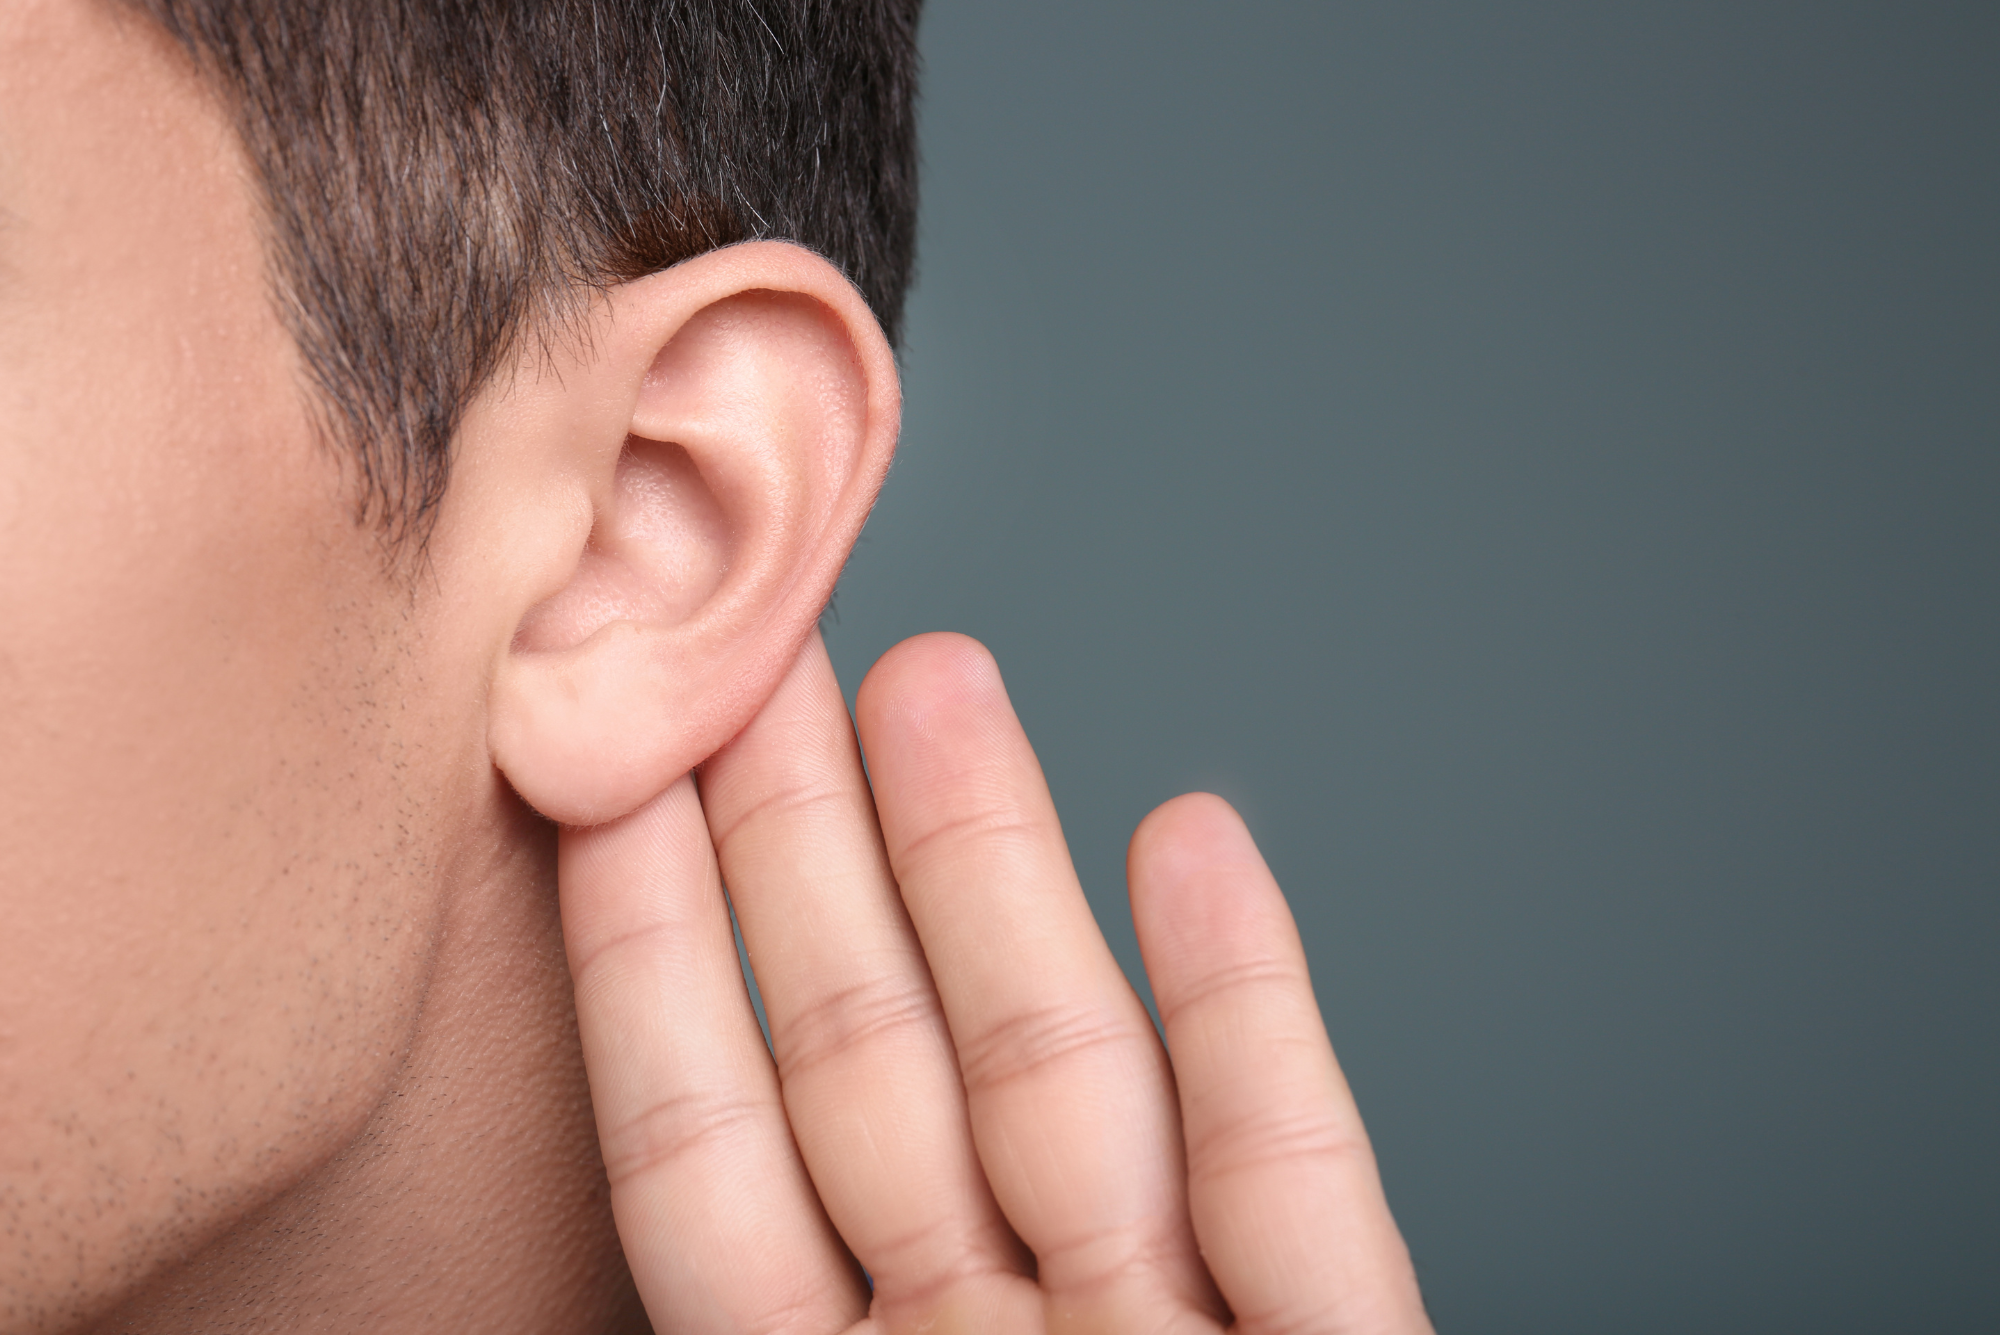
[929, 1257]
[1022, 1045]
[633, 949]
[672, 1130]
[1371, 1308]
[803, 1313]
[1096, 1263]
[1269, 1139]
[1234, 985]
[799, 802]
[1289, 1317]
[846, 1021]
[989, 833]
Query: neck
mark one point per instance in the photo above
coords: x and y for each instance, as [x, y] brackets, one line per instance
[474, 1197]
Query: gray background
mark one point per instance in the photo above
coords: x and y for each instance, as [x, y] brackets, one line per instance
[1542, 463]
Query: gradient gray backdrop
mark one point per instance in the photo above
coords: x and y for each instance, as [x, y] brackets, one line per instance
[1542, 463]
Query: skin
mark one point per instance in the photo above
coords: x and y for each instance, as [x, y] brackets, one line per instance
[308, 1020]
[266, 897]
[966, 1095]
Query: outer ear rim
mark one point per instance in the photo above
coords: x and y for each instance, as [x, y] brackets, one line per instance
[549, 726]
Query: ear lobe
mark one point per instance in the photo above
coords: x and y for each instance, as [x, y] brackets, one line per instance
[757, 410]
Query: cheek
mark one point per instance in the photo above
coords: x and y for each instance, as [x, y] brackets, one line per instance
[209, 822]
[216, 805]
[213, 821]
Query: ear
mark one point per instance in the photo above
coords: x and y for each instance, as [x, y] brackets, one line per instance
[682, 486]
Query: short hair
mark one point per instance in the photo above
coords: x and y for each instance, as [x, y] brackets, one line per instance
[440, 175]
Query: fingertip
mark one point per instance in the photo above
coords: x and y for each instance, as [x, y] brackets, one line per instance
[926, 674]
[1186, 836]
[1190, 814]
[1203, 899]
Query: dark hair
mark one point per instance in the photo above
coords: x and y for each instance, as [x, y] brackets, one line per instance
[442, 174]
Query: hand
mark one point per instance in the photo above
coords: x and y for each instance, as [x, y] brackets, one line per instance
[967, 1097]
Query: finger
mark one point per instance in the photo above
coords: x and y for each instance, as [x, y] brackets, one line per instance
[1282, 1182]
[1072, 1105]
[717, 1216]
[868, 1074]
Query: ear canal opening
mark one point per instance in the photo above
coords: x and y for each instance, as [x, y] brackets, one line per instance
[659, 554]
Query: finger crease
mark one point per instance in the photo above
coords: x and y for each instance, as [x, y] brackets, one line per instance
[1020, 1046]
[673, 1129]
[848, 1019]
[1250, 975]
[787, 801]
[979, 827]
[673, 929]
[1243, 1147]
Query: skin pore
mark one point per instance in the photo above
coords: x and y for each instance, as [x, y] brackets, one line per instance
[309, 1021]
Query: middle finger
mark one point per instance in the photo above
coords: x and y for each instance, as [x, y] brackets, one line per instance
[870, 1083]
[1072, 1100]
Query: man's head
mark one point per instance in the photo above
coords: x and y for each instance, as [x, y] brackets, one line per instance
[269, 274]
